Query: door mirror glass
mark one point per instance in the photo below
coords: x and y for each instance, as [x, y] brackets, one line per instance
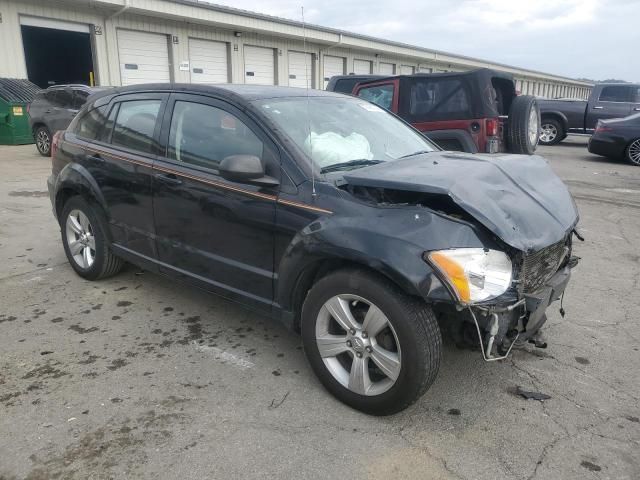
[245, 169]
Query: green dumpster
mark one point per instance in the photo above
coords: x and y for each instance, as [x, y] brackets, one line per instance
[15, 96]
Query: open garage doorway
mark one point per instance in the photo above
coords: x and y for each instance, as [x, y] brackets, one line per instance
[57, 52]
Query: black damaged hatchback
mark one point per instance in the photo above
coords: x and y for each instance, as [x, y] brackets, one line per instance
[325, 212]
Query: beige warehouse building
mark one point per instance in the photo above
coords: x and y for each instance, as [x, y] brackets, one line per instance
[123, 42]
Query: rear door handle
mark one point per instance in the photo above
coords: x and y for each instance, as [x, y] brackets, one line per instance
[168, 178]
[637, 109]
[598, 108]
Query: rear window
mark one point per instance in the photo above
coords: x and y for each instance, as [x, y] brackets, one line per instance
[439, 98]
[135, 124]
[616, 93]
[90, 125]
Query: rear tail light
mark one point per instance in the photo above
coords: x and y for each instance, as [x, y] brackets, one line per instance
[55, 141]
[28, 108]
[491, 125]
[601, 128]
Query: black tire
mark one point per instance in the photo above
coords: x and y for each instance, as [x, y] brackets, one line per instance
[105, 263]
[415, 326]
[520, 137]
[42, 137]
[632, 153]
[555, 132]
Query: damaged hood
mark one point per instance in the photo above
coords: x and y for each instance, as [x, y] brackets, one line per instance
[517, 197]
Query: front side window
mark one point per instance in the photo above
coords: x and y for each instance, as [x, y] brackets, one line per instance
[91, 124]
[335, 130]
[79, 99]
[381, 95]
[135, 124]
[204, 135]
[617, 93]
[64, 98]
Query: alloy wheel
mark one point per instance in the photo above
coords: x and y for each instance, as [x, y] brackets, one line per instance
[80, 239]
[634, 152]
[43, 141]
[548, 133]
[358, 345]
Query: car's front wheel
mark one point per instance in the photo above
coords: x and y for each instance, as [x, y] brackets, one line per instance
[42, 136]
[371, 345]
[85, 241]
[633, 152]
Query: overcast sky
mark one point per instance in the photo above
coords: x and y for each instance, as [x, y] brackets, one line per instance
[596, 39]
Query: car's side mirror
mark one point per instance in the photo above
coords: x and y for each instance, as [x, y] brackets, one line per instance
[245, 169]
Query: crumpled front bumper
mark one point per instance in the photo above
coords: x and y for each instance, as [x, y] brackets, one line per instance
[518, 319]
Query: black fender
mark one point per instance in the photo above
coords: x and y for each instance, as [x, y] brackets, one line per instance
[558, 115]
[330, 243]
[76, 178]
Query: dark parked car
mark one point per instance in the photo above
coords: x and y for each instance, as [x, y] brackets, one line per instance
[561, 116]
[323, 211]
[53, 109]
[618, 138]
[474, 111]
[346, 83]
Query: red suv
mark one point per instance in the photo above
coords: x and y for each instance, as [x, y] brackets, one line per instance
[474, 111]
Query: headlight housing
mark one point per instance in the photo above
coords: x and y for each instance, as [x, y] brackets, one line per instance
[474, 274]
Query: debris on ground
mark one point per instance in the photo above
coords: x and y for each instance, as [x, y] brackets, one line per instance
[532, 395]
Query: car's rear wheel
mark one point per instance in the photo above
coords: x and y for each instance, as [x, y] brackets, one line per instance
[372, 346]
[85, 241]
[551, 132]
[42, 137]
[633, 152]
[524, 125]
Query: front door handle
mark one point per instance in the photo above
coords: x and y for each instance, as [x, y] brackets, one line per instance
[168, 178]
[598, 108]
[96, 158]
[637, 109]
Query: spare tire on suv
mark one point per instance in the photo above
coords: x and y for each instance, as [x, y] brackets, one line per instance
[523, 129]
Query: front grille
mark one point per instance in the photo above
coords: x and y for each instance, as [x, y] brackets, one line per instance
[539, 267]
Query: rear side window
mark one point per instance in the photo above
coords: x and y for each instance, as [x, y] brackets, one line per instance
[135, 124]
[203, 135]
[440, 97]
[381, 95]
[51, 96]
[616, 93]
[91, 124]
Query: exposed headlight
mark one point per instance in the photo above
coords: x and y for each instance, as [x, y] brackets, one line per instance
[474, 274]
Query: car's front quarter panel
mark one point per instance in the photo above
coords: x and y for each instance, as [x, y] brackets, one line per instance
[389, 240]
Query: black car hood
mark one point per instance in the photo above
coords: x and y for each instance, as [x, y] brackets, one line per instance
[517, 197]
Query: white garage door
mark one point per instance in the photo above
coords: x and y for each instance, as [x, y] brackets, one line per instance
[259, 65]
[332, 66]
[407, 70]
[361, 67]
[208, 61]
[387, 68]
[144, 57]
[300, 70]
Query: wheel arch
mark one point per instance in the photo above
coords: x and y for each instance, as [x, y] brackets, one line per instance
[76, 180]
[555, 115]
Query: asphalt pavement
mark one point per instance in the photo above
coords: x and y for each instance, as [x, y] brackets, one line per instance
[140, 377]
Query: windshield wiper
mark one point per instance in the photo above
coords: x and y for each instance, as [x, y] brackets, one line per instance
[347, 165]
[419, 152]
